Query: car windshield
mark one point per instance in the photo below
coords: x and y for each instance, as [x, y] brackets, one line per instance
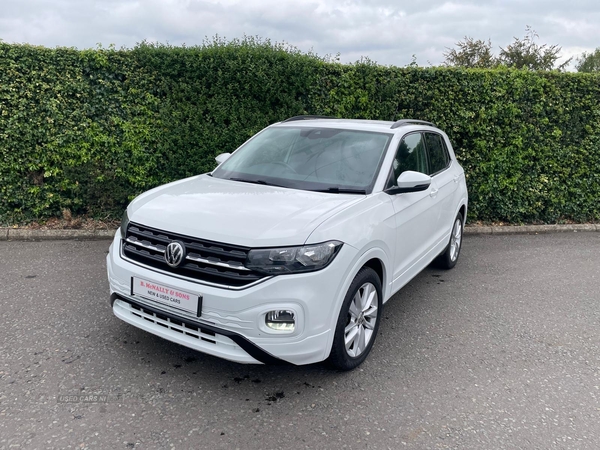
[316, 159]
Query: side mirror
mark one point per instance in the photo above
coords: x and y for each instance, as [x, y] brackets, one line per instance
[222, 157]
[410, 181]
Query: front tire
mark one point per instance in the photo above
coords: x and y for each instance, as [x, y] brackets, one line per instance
[447, 260]
[358, 321]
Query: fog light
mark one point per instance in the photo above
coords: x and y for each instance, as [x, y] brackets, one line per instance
[281, 320]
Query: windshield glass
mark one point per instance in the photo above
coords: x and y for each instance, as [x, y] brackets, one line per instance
[318, 159]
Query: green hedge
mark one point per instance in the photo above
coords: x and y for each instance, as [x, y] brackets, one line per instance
[88, 130]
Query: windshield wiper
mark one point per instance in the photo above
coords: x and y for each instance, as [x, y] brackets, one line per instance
[338, 190]
[245, 180]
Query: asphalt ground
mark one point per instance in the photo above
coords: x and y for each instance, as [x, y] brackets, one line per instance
[501, 352]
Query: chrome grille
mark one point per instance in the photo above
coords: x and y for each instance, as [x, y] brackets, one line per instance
[208, 261]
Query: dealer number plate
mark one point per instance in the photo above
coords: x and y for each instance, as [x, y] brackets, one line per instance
[175, 298]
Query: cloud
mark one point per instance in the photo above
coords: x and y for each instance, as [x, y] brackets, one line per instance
[389, 32]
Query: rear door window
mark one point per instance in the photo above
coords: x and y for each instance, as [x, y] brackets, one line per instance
[439, 159]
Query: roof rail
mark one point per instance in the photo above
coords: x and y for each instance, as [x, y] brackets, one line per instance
[295, 118]
[402, 122]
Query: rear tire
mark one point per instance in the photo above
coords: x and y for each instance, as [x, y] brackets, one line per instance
[448, 259]
[358, 321]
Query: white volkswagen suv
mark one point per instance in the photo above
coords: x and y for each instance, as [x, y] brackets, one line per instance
[288, 250]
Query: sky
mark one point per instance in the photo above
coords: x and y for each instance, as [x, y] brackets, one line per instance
[388, 32]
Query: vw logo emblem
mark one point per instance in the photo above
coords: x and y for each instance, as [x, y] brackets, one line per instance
[174, 254]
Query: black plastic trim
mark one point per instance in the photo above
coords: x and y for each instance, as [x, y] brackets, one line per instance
[398, 190]
[249, 347]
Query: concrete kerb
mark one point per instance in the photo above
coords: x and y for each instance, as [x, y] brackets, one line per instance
[25, 234]
[532, 229]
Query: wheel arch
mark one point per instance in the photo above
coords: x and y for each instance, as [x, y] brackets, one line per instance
[377, 265]
[378, 260]
[463, 211]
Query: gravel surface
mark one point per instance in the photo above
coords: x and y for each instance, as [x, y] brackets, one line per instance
[500, 353]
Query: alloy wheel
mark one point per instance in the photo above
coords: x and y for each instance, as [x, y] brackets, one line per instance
[362, 316]
[455, 240]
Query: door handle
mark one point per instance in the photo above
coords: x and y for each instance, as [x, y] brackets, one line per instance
[456, 177]
[433, 192]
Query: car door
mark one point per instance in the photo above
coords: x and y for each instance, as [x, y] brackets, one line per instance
[444, 184]
[415, 212]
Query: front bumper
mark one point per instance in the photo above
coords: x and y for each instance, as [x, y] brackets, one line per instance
[232, 324]
[189, 333]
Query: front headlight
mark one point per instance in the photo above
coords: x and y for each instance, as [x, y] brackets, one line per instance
[307, 258]
[124, 223]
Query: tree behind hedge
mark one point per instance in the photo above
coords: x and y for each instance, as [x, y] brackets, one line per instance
[523, 53]
[589, 62]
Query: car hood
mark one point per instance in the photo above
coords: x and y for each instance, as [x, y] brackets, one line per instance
[234, 212]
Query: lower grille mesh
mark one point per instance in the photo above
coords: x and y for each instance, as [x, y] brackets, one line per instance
[197, 332]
